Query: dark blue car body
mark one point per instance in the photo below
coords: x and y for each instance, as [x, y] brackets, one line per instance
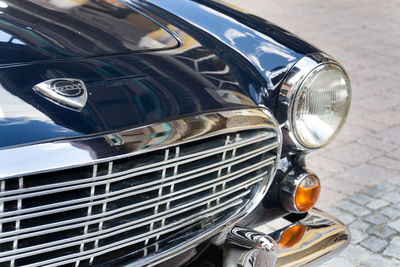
[240, 53]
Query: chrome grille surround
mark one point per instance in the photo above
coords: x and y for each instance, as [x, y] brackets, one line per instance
[139, 192]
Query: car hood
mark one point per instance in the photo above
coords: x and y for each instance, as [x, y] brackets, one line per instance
[39, 30]
[128, 87]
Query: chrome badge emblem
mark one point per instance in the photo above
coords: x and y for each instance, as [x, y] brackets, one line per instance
[68, 92]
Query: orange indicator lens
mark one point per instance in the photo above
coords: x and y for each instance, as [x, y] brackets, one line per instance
[292, 236]
[307, 193]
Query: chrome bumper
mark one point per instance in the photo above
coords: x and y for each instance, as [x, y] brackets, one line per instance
[321, 236]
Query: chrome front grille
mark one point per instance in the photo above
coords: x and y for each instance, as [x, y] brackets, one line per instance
[133, 205]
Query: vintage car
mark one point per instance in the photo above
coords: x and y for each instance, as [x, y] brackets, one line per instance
[162, 132]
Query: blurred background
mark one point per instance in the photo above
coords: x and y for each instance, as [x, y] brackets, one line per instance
[360, 170]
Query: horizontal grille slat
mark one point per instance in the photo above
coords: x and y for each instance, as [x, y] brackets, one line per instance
[119, 212]
[112, 247]
[256, 179]
[149, 234]
[151, 168]
[109, 196]
[136, 201]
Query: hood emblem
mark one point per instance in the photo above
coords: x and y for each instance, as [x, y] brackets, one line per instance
[67, 92]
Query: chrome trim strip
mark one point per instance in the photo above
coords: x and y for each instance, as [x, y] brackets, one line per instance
[38, 158]
[82, 183]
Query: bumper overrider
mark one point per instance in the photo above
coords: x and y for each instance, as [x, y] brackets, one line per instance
[309, 240]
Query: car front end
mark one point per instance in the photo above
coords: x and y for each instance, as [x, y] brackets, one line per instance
[142, 133]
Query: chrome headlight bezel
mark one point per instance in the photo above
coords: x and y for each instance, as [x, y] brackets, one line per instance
[289, 92]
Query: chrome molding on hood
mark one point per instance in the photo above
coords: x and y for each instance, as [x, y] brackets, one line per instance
[70, 153]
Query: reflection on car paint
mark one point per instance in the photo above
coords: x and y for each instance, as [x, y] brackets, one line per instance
[126, 91]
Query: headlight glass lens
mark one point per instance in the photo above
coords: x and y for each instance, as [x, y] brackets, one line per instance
[321, 106]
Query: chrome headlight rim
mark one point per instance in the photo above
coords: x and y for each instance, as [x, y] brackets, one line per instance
[291, 88]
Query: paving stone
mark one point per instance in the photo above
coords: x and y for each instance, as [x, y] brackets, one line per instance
[360, 225]
[374, 244]
[358, 235]
[395, 225]
[395, 154]
[368, 175]
[353, 208]
[340, 185]
[377, 103]
[393, 197]
[352, 250]
[358, 113]
[368, 125]
[345, 217]
[339, 261]
[332, 210]
[382, 231]
[376, 218]
[391, 212]
[390, 134]
[392, 251]
[329, 165]
[329, 197]
[376, 142]
[386, 162]
[388, 117]
[395, 181]
[378, 190]
[361, 198]
[351, 133]
[395, 241]
[395, 263]
[377, 204]
[376, 260]
[353, 154]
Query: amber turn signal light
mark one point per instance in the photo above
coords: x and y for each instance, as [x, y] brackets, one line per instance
[299, 191]
[291, 236]
[307, 193]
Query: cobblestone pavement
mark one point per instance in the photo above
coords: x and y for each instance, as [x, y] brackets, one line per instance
[360, 171]
[373, 217]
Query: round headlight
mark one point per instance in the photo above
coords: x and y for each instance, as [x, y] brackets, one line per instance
[321, 105]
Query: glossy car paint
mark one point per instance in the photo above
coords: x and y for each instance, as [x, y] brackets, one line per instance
[228, 60]
[37, 30]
